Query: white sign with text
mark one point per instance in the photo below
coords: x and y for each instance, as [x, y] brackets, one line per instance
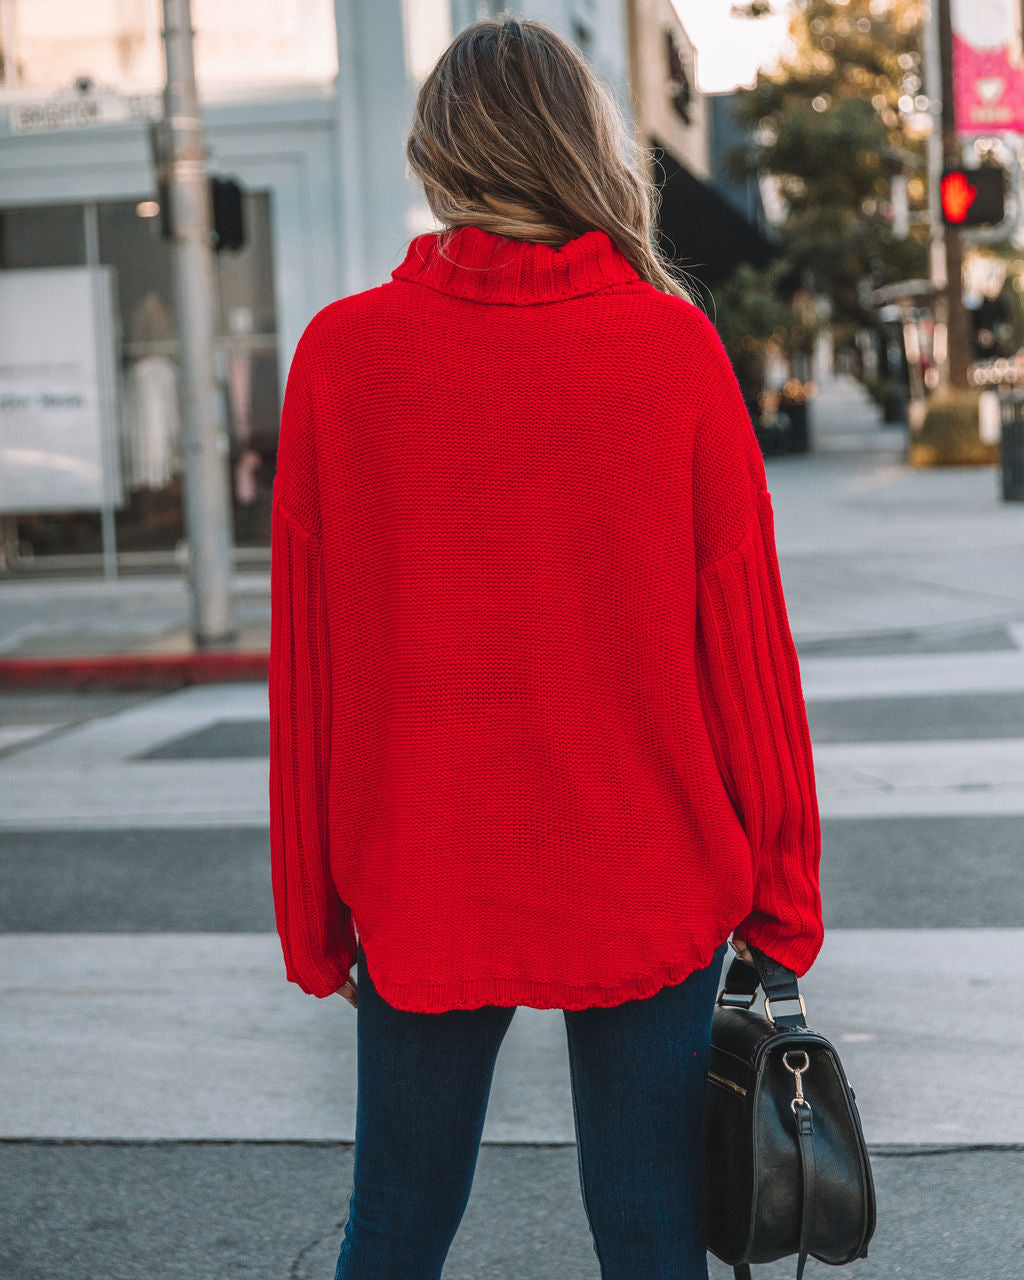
[58, 400]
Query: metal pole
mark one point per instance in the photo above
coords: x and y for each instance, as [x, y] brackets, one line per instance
[351, 188]
[933, 88]
[958, 340]
[207, 482]
[105, 362]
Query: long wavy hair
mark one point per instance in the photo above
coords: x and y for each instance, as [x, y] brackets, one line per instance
[513, 132]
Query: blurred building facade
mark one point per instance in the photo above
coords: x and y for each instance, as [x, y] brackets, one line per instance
[305, 104]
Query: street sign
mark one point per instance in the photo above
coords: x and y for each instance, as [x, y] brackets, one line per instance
[84, 107]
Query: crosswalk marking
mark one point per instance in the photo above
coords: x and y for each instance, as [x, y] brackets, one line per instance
[896, 675]
[148, 1036]
[14, 735]
[103, 782]
[887, 779]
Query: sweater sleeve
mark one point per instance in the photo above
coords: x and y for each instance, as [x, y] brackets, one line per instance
[749, 679]
[314, 926]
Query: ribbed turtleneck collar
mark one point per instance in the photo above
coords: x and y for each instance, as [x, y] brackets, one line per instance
[488, 267]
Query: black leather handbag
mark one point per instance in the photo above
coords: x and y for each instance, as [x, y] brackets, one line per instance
[786, 1166]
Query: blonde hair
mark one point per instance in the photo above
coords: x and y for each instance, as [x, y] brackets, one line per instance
[514, 133]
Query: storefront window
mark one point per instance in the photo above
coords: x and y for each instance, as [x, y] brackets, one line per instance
[43, 237]
[248, 347]
[150, 523]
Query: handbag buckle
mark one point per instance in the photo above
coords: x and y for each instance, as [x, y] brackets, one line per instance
[768, 1014]
[736, 1000]
[798, 1072]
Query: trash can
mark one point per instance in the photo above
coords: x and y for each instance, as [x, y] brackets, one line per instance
[773, 429]
[796, 411]
[1011, 445]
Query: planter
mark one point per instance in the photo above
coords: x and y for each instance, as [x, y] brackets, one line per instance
[949, 433]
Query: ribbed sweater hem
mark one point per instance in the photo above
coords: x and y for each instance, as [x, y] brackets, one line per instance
[472, 993]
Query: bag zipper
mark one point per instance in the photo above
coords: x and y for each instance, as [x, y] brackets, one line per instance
[729, 1084]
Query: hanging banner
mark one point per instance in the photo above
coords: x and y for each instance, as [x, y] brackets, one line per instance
[988, 66]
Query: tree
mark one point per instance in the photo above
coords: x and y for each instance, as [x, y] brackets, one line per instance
[828, 124]
[750, 310]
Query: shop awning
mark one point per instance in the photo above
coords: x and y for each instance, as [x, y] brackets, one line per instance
[705, 233]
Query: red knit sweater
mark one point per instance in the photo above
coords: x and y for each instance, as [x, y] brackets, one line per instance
[537, 726]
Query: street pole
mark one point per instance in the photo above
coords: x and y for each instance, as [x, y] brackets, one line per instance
[206, 447]
[937, 240]
[958, 333]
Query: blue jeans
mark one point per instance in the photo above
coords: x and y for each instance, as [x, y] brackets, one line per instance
[637, 1072]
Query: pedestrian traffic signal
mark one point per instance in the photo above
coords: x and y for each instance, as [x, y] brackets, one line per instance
[228, 214]
[972, 197]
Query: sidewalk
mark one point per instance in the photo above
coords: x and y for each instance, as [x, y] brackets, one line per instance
[874, 553]
[129, 632]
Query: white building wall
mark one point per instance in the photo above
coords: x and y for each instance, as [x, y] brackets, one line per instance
[653, 110]
[330, 153]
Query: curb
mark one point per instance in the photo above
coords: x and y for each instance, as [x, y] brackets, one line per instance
[132, 671]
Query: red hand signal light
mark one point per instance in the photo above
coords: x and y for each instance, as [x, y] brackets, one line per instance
[957, 196]
[973, 197]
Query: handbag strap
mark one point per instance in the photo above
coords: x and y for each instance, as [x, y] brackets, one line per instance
[808, 1176]
[808, 1180]
[742, 980]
